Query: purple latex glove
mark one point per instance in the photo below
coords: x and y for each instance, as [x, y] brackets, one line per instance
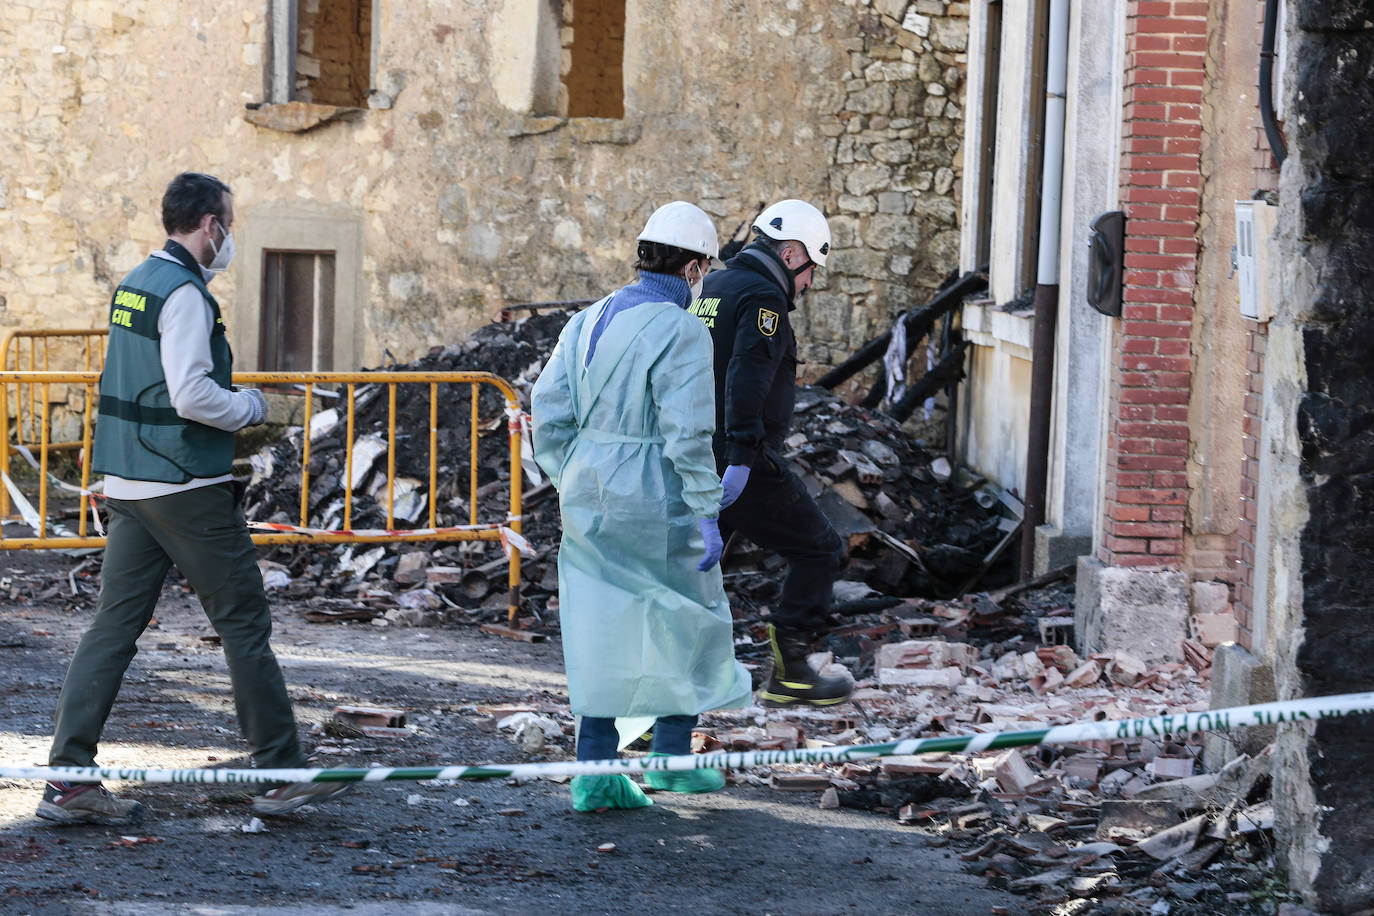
[715, 546]
[734, 480]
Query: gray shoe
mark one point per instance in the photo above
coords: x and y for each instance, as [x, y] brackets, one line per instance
[293, 795]
[87, 803]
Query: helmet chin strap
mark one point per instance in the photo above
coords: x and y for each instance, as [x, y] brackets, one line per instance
[798, 271]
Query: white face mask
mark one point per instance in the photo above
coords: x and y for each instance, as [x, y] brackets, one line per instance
[697, 286]
[224, 253]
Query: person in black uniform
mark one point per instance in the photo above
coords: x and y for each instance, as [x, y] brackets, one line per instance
[747, 307]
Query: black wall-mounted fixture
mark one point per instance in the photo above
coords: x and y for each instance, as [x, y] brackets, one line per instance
[1106, 257]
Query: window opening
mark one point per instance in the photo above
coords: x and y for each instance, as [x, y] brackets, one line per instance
[322, 51]
[987, 128]
[333, 52]
[595, 79]
[1035, 151]
[296, 331]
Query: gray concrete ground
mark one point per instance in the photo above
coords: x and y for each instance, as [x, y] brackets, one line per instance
[479, 847]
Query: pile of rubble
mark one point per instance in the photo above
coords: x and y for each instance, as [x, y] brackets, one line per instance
[912, 527]
[409, 582]
[1134, 825]
[1122, 826]
[513, 351]
[1127, 826]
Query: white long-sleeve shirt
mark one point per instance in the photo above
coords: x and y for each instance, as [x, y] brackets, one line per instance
[185, 324]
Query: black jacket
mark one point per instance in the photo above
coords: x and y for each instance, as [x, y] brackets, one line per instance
[745, 307]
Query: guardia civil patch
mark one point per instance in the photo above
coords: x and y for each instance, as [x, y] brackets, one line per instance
[768, 322]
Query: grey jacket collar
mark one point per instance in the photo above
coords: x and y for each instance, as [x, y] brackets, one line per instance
[774, 268]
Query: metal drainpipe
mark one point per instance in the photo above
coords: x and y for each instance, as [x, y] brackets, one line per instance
[1046, 285]
[1266, 83]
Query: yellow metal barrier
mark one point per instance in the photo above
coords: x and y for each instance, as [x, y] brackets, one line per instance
[32, 350]
[44, 382]
[92, 347]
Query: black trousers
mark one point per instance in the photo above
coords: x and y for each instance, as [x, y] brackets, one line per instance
[777, 514]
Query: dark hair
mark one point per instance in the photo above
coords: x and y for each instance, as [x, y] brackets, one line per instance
[190, 196]
[658, 258]
[774, 245]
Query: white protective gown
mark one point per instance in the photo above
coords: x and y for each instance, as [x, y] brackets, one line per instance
[626, 440]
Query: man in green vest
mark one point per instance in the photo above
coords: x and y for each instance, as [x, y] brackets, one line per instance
[165, 443]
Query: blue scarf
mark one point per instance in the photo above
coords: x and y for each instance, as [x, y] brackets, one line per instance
[650, 288]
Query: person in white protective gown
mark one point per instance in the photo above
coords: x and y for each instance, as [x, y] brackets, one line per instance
[623, 416]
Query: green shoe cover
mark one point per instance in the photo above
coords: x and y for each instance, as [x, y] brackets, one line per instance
[707, 780]
[592, 793]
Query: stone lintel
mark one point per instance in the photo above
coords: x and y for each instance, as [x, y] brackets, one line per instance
[298, 117]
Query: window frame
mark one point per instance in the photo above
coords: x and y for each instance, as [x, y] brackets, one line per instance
[284, 33]
[321, 293]
[300, 226]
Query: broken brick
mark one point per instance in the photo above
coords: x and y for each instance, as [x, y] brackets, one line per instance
[1014, 775]
[410, 568]
[1197, 655]
[1134, 820]
[1083, 766]
[791, 736]
[1172, 767]
[1125, 669]
[1061, 657]
[1085, 675]
[444, 575]
[1215, 629]
[947, 678]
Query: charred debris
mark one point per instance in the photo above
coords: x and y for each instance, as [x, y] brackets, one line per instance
[916, 528]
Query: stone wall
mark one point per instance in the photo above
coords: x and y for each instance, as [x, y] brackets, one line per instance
[895, 160]
[1318, 410]
[465, 195]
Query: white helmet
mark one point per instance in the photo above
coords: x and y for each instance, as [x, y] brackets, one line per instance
[796, 220]
[684, 226]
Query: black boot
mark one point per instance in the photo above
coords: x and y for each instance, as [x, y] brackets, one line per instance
[793, 681]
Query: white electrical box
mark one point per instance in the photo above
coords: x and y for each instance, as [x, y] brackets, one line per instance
[1255, 221]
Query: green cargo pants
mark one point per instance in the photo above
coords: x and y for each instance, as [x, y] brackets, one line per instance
[203, 532]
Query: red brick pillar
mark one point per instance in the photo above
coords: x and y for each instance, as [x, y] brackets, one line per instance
[1147, 447]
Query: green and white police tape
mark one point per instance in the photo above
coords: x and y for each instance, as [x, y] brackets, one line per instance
[1309, 709]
